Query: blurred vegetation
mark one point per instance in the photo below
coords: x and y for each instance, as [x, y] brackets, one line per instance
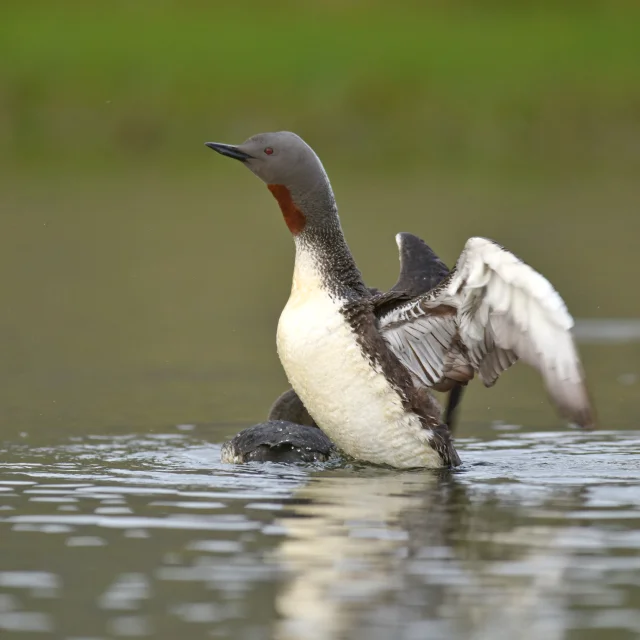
[447, 85]
[142, 275]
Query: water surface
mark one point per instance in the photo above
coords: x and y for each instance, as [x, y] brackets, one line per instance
[137, 535]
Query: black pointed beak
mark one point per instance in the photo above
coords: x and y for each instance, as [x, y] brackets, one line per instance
[228, 150]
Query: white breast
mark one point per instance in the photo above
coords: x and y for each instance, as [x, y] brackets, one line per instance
[351, 400]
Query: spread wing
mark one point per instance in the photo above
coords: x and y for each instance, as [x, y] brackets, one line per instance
[491, 310]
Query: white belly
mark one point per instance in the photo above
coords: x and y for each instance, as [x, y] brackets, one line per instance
[351, 401]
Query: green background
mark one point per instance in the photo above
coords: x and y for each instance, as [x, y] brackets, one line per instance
[142, 276]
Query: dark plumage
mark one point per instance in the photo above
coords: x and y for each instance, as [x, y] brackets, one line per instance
[289, 407]
[278, 441]
[420, 268]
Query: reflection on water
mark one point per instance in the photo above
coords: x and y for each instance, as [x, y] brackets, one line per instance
[150, 536]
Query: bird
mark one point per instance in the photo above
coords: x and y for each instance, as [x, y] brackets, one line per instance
[278, 441]
[290, 434]
[364, 364]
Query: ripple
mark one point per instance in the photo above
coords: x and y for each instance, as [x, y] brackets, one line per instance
[25, 621]
[536, 531]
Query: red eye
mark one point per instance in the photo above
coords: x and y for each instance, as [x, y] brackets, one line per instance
[268, 151]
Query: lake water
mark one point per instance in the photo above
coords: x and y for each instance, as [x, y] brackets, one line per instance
[537, 535]
[137, 334]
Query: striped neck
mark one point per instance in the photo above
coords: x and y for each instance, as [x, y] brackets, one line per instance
[311, 214]
[321, 243]
[325, 251]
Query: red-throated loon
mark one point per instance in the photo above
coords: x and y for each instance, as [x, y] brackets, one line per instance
[363, 364]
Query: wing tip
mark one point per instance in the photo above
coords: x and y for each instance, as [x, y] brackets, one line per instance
[400, 236]
[578, 408]
[585, 418]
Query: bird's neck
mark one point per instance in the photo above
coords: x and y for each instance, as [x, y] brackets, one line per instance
[322, 252]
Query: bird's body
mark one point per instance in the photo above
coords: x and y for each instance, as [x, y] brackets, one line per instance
[363, 364]
[299, 440]
[348, 391]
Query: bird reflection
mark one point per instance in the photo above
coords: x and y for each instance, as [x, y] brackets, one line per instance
[374, 554]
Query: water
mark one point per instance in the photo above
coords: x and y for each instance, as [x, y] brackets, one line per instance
[150, 536]
[137, 334]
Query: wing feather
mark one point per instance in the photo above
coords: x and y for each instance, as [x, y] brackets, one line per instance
[492, 310]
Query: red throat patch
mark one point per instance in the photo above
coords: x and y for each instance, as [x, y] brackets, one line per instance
[294, 218]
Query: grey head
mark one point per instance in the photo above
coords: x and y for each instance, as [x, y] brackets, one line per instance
[296, 178]
[420, 268]
[283, 159]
